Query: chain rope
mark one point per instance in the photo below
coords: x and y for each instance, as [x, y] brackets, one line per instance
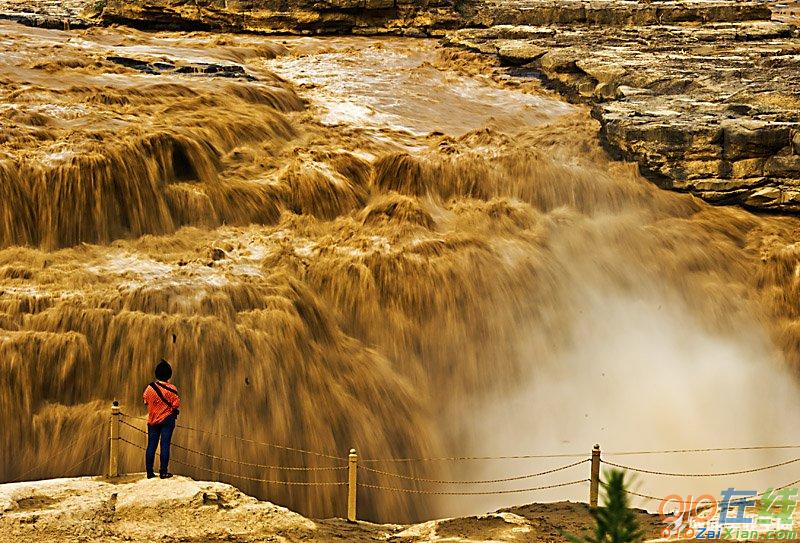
[661, 499]
[718, 474]
[241, 462]
[467, 458]
[361, 466]
[459, 458]
[474, 482]
[239, 438]
[477, 493]
[708, 449]
[579, 455]
[244, 477]
[85, 458]
[47, 460]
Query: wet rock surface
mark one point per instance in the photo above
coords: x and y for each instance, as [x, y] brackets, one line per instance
[199, 68]
[54, 14]
[712, 109]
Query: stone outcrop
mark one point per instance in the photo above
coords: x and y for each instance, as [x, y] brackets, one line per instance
[135, 509]
[712, 109]
[57, 14]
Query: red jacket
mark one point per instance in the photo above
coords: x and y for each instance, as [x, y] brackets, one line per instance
[157, 410]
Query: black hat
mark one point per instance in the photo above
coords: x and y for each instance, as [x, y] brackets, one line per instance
[163, 371]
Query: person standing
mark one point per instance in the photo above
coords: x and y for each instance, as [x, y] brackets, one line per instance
[162, 402]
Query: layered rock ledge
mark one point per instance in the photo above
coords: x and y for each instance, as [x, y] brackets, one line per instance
[417, 17]
[614, 12]
[371, 17]
[711, 108]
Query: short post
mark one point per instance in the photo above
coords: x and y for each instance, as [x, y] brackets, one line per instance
[113, 461]
[594, 482]
[352, 482]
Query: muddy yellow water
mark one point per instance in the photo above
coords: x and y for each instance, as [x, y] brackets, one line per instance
[366, 243]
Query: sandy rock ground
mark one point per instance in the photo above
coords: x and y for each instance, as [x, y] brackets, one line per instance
[132, 508]
[137, 509]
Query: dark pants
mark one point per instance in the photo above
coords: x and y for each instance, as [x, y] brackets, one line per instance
[159, 432]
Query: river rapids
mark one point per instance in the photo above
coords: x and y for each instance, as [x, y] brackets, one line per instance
[370, 243]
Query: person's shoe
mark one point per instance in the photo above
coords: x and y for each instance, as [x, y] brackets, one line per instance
[165, 475]
[151, 475]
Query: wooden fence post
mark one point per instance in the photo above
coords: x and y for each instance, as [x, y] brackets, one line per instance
[352, 483]
[113, 461]
[594, 482]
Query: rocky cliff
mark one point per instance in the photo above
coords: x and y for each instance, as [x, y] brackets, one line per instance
[707, 105]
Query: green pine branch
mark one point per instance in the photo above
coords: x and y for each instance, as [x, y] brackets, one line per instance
[615, 522]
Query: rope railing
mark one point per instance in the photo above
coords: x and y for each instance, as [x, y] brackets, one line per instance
[86, 458]
[670, 499]
[365, 485]
[474, 481]
[251, 441]
[465, 458]
[477, 493]
[376, 478]
[49, 459]
[262, 466]
[356, 465]
[497, 457]
[243, 477]
[242, 462]
[352, 468]
[713, 474]
[580, 455]
[707, 449]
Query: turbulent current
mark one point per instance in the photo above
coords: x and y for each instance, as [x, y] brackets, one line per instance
[379, 244]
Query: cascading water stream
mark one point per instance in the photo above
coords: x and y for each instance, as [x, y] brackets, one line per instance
[428, 277]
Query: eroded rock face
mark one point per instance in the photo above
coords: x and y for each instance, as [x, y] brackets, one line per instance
[402, 17]
[713, 110]
[614, 12]
[406, 17]
[418, 17]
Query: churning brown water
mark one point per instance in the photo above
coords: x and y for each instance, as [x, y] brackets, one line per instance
[364, 243]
